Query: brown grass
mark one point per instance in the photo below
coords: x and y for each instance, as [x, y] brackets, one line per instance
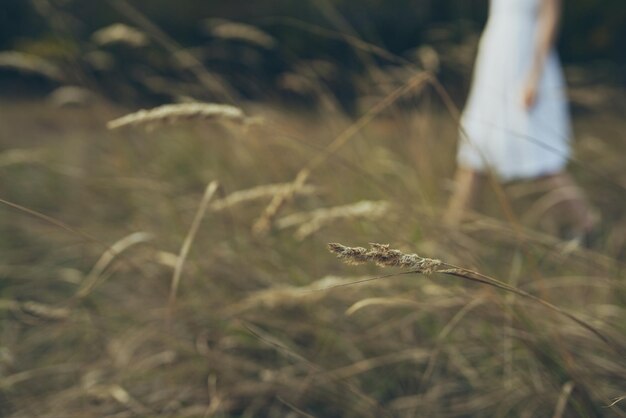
[269, 324]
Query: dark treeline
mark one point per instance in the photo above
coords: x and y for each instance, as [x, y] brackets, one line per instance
[591, 29]
[62, 30]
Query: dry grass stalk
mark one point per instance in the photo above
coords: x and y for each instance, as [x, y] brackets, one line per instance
[417, 355]
[616, 401]
[443, 334]
[362, 208]
[297, 83]
[264, 223]
[166, 259]
[185, 111]
[184, 250]
[294, 408]
[364, 303]
[355, 42]
[120, 395]
[225, 29]
[22, 156]
[45, 311]
[286, 296]
[554, 245]
[7, 382]
[563, 398]
[429, 58]
[183, 58]
[318, 372]
[71, 96]
[259, 192]
[28, 63]
[91, 280]
[311, 222]
[383, 256]
[119, 33]
[36, 309]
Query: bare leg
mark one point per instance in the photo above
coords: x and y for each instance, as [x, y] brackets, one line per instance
[575, 205]
[467, 185]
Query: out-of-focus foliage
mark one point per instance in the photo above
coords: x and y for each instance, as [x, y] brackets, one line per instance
[591, 29]
[298, 45]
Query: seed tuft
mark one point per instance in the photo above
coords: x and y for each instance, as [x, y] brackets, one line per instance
[384, 256]
[185, 111]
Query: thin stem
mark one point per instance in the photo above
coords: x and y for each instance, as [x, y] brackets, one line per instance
[184, 250]
[461, 272]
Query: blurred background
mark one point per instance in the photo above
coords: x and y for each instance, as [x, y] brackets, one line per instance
[330, 38]
[178, 266]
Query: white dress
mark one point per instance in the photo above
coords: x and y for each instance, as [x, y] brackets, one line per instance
[498, 133]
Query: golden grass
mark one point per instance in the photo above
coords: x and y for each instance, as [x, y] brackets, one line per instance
[383, 256]
[309, 223]
[265, 222]
[119, 33]
[228, 30]
[253, 320]
[94, 276]
[28, 63]
[180, 112]
[268, 323]
[259, 192]
[191, 235]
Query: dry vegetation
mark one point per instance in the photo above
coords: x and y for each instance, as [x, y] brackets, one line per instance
[134, 282]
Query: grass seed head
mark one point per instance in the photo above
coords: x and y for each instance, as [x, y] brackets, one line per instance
[43, 311]
[185, 111]
[310, 222]
[259, 192]
[32, 64]
[119, 33]
[224, 29]
[384, 256]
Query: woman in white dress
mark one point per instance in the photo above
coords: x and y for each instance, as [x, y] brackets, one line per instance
[516, 122]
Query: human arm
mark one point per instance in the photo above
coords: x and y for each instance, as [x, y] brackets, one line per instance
[547, 27]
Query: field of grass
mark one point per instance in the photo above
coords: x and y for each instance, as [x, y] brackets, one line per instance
[96, 225]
